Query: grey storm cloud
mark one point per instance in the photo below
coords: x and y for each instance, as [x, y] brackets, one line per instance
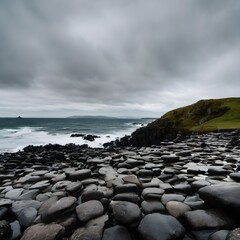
[130, 54]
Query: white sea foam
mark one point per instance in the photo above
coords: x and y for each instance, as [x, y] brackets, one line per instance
[12, 140]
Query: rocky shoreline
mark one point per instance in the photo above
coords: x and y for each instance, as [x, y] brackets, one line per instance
[187, 189]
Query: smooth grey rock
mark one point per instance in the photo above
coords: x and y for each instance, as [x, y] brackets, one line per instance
[152, 193]
[80, 174]
[91, 195]
[92, 231]
[219, 235]
[199, 184]
[131, 179]
[29, 195]
[125, 212]
[211, 218]
[129, 197]
[61, 185]
[203, 234]
[157, 226]
[14, 194]
[116, 233]
[152, 206]
[42, 231]
[89, 210]
[74, 187]
[16, 230]
[40, 185]
[223, 195]
[69, 221]
[170, 158]
[235, 176]
[5, 202]
[177, 209]
[172, 197]
[54, 208]
[27, 216]
[18, 206]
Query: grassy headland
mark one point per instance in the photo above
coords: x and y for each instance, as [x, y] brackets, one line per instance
[202, 116]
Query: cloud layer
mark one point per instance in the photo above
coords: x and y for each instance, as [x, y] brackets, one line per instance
[125, 58]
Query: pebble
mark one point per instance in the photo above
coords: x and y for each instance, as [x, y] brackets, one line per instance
[75, 192]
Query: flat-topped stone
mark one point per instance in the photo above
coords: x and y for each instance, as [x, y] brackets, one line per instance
[223, 195]
[54, 208]
[80, 174]
[211, 218]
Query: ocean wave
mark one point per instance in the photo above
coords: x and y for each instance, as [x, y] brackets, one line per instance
[12, 140]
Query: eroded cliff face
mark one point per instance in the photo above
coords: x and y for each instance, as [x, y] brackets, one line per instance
[203, 116]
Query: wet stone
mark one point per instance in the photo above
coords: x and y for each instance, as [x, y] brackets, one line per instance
[29, 195]
[177, 209]
[219, 235]
[223, 195]
[27, 216]
[40, 185]
[157, 225]
[172, 197]
[91, 195]
[14, 194]
[235, 176]
[152, 206]
[74, 187]
[117, 232]
[5, 202]
[130, 197]
[89, 210]
[211, 218]
[195, 202]
[80, 174]
[131, 179]
[152, 193]
[170, 158]
[126, 188]
[42, 231]
[125, 212]
[54, 208]
[199, 184]
[16, 230]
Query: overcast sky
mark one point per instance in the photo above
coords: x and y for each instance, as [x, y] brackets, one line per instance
[121, 58]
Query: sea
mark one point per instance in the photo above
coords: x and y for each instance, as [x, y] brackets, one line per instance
[17, 133]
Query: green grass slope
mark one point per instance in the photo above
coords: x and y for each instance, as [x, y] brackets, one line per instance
[202, 116]
[208, 115]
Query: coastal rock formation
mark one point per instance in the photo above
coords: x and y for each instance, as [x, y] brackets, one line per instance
[185, 190]
[201, 117]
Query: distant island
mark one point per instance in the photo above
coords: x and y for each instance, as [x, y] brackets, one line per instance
[93, 117]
